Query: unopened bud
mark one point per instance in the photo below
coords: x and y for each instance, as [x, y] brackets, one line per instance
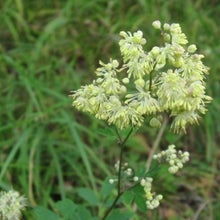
[111, 181]
[155, 51]
[143, 182]
[192, 48]
[140, 83]
[123, 89]
[99, 80]
[123, 34]
[115, 63]
[159, 197]
[125, 80]
[155, 123]
[167, 37]
[166, 27]
[135, 178]
[156, 24]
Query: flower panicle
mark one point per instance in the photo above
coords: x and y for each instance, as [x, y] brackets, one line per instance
[149, 88]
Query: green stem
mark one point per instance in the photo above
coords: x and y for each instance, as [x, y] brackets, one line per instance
[122, 144]
[150, 84]
[151, 77]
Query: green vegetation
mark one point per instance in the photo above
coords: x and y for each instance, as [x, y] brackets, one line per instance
[50, 151]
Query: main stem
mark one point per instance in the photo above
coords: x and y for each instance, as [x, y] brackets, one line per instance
[122, 144]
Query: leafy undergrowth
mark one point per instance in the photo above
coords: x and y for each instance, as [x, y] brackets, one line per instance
[49, 151]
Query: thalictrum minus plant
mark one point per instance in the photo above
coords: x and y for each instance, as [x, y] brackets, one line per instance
[164, 80]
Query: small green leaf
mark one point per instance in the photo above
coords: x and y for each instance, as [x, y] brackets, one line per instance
[108, 132]
[153, 171]
[140, 172]
[118, 215]
[107, 188]
[128, 197]
[81, 213]
[110, 201]
[139, 190]
[42, 213]
[66, 208]
[88, 195]
[141, 203]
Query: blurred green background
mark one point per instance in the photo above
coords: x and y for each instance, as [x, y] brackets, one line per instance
[49, 150]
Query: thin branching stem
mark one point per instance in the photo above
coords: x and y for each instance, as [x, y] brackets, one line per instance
[122, 144]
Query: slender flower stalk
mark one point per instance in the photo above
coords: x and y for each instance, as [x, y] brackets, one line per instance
[122, 145]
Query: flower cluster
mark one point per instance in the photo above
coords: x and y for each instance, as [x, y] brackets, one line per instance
[11, 204]
[126, 171]
[174, 158]
[153, 200]
[168, 79]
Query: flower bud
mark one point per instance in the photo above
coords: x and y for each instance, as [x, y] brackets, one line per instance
[171, 162]
[111, 181]
[99, 80]
[140, 83]
[192, 48]
[155, 51]
[123, 34]
[155, 123]
[159, 197]
[156, 24]
[115, 63]
[175, 28]
[143, 182]
[125, 80]
[186, 154]
[123, 89]
[166, 27]
[179, 62]
[155, 157]
[167, 37]
[143, 41]
[135, 178]
[180, 165]
[149, 195]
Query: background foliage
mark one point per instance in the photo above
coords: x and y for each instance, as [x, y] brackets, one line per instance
[51, 152]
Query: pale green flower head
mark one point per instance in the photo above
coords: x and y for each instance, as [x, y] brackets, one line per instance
[11, 204]
[166, 79]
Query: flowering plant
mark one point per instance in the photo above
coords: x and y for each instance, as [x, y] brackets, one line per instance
[165, 80]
